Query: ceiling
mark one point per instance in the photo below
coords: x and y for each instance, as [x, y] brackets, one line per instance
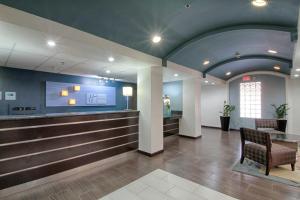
[26, 48]
[213, 29]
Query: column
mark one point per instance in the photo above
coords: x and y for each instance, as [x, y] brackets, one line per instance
[190, 125]
[150, 105]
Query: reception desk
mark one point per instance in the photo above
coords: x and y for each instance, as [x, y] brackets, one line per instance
[171, 123]
[33, 147]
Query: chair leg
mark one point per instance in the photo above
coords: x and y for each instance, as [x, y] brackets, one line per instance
[267, 169]
[293, 166]
[242, 159]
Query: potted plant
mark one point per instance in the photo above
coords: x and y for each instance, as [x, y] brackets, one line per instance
[167, 105]
[225, 118]
[280, 114]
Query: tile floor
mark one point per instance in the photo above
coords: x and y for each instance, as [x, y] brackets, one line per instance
[162, 185]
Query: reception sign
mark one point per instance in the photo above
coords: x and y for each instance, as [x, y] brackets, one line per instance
[88, 95]
[96, 99]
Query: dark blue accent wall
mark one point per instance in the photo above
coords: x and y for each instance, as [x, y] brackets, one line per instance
[30, 88]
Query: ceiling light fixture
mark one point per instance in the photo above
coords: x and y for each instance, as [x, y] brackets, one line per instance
[206, 81]
[298, 70]
[296, 75]
[277, 67]
[107, 71]
[213, 83]
[187, 5]
[272, 51]
[51, 43]
[156, 39]
[259, 3]
[176, 75]
[237, 55]
[228, 73]
[206, 62]
[111, 59]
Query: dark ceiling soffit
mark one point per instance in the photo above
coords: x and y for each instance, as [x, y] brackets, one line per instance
[288, 61]
[293, 31]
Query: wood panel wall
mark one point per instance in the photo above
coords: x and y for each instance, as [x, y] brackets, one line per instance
[31, 149]
[171, 126]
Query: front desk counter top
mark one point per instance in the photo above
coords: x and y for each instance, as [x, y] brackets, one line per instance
[51, 115]
[175, 116]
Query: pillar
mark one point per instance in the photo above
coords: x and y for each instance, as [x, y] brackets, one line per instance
[190, 125]
[150, 105]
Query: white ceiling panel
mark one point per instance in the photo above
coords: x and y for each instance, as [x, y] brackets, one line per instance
[59, 63]
[4, 53]
[25, 60]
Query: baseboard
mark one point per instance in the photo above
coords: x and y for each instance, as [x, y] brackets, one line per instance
[219, 128]
[212, 127]
[190, 137]
[150, 154]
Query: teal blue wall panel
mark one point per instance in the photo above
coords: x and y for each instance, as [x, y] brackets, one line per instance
[174, 91]
[30, 87]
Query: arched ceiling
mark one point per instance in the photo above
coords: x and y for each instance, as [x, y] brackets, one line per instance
[249, 65]
[133, 23]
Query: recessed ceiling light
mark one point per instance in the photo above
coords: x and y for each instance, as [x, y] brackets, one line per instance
[187, 5]
[51, 43]
[259, 3]
[272, 51]
[156, 39]
[213, 83]
[108, 71]
[206, 62]
[296, 75]
[298, 70]
[228, 73]
[206, 81]
[111, 59]
[175, 75]
[277, 67]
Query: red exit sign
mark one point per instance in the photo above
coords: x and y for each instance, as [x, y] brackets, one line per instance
[247, 78]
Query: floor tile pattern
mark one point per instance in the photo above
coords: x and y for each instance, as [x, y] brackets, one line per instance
[162, 185]
[207, 161]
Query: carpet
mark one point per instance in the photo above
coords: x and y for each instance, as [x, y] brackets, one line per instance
[282, 174]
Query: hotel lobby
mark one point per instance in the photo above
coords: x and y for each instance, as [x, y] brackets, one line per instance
[149, 99]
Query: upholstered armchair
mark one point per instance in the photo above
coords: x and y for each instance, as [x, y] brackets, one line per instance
[257, 146]
[266, 124]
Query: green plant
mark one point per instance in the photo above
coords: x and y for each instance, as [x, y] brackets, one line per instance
[280, 111]
[227, 110]
[167, 102]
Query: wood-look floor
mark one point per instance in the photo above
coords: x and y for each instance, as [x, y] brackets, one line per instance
[207, 161]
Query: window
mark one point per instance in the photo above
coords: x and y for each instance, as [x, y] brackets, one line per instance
[250, 100]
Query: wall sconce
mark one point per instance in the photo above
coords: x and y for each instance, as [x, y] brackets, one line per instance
[127, 92]
[64, 93]
[72, 101]
[76, 88]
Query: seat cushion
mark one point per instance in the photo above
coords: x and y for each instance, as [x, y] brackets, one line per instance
[255, 152]
[282, 155]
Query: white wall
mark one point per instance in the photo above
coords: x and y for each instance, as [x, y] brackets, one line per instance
[212, 100]
[293, 99]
